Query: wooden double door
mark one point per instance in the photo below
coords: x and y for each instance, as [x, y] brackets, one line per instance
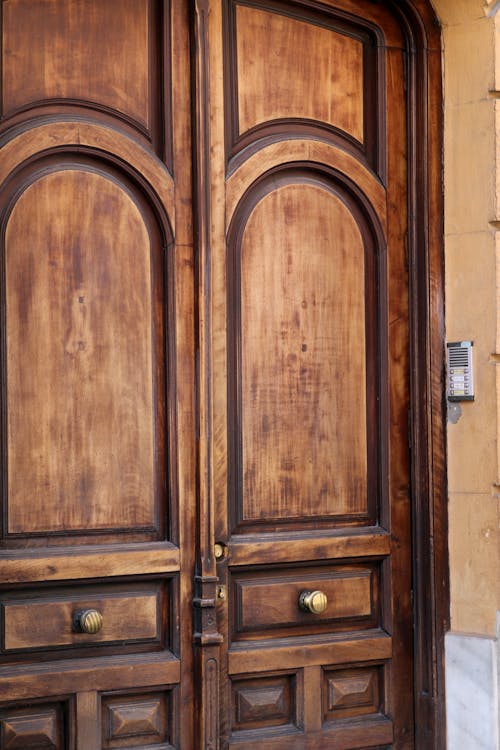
[206, 215]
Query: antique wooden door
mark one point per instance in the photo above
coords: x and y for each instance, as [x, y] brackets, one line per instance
[205, 394]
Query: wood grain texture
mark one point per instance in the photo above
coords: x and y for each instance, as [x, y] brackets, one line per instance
[342, 737]
[79, 562]
[82, 51]
[107, 673]
[70, 135]
[294, 653]
[254, 163]
[287, 547]
[36, 727]
[79, 358]
[88, 720]
[269, 602]
[134, 720]
[263, 702]
[40, 624]
[278, 58]
[229, 164]
[303, 358]
[354, 692]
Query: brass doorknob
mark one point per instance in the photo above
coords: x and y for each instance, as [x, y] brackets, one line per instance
[89, 621]
[313, 601]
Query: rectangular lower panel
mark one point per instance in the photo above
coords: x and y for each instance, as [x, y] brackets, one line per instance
[266, 702]
[267, 602]
[36, 727]
[131, 615]
[352, 693]
[139, 719]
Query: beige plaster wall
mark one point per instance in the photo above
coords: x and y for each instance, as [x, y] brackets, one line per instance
[471, 33]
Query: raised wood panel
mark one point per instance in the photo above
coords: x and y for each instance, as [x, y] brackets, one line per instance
[352, 692]
[264, 702]
[135, 720]
[277, 59]
[47, 621]
[93, 53]
[301, 289]
[83, 425]
[268, 603]
[36, 728]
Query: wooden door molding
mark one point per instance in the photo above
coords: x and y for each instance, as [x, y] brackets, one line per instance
[428, 420]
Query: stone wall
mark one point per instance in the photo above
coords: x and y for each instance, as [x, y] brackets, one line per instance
[471, 54]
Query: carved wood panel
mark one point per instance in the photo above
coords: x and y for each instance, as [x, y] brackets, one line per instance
[137, 721]
[265, 603]
[267, 701]
[134, 617]
[302, 302]
[83, 274]
[40, 727]
[110, 58]
[353, 692]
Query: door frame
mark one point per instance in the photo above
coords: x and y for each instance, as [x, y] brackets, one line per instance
[426, 420]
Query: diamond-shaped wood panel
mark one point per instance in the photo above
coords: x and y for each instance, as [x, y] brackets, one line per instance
[135, 720]
[39, 728]
[263, 702]
[351, 692]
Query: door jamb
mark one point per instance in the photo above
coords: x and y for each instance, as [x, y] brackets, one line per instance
[427, 419]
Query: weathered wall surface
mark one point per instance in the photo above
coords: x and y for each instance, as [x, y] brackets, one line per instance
[471, 80]
[471, 54]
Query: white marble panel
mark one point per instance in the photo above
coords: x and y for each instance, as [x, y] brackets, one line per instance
[472, 712]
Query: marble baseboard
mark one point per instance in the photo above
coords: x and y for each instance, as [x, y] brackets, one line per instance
[472, 692]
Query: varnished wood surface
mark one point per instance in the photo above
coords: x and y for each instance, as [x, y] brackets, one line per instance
[282, 691]
[269, 602]
[302, 356]
[105, 673]
[279, 56]
[287, 547]
[78, 267]
[88, 88]
[21, 145]
[87, 706]
[41, 564]
[32, 726]
[342, 738]
[38, 624]
[245, 658]
[132, 719]
[83, 52]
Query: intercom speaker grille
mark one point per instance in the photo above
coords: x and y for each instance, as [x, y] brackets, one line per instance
[460, 371]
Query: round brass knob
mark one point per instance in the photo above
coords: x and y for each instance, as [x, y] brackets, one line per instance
[313, 601]
[89, 621]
